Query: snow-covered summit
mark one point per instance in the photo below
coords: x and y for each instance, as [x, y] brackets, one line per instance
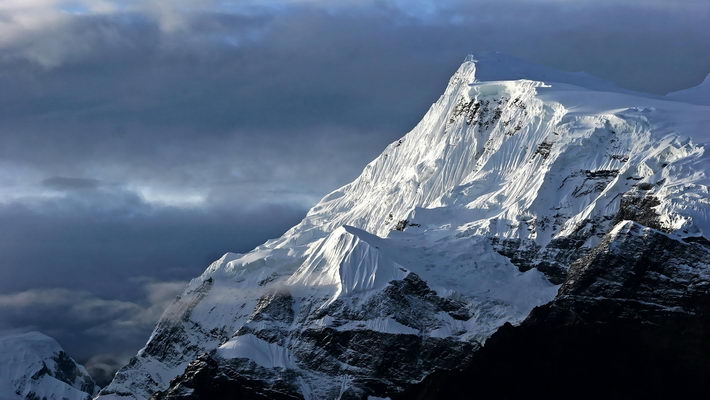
[467, 222]
[34, 366]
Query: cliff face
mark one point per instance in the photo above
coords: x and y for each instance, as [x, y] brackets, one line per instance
[631, 321]
[503, 192]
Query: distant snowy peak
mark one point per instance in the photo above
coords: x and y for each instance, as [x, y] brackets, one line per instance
[34, 366]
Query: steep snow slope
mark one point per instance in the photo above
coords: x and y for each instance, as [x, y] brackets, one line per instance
[34, 366]
[464, 224]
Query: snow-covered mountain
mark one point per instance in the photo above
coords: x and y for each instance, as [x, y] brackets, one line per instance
[464, 225]
[34, 366]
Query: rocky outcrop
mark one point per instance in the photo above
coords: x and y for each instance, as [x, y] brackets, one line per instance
[630, 322]
[344, 339]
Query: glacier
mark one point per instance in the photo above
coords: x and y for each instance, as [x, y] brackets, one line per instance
[465, 224]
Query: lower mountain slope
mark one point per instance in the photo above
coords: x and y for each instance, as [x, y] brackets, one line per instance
[630, 322]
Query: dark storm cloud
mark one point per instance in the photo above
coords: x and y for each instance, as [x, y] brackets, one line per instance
[100, 241]
[96, 269]
[88, 325]
[136, 92]
[256, 93]
[137, 146]
[70, 183]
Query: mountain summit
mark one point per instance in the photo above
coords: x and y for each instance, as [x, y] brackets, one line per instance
[510, 203]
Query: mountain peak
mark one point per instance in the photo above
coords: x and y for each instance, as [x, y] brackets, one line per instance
[465, 224]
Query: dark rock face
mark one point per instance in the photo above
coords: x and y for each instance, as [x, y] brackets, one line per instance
[485, 113]
[555, 258]
[206, 378]
[642, 265]
[635, 206]
[68, 371]
[544, 149]
[631, 321]
[409, 301]
[556, 359]
[353, 352]
[330, 352]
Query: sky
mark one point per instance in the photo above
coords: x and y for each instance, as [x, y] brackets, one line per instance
[140, 140]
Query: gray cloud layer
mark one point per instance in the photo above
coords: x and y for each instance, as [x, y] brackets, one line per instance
[139, 141]
[95, 268]
[81, 320]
